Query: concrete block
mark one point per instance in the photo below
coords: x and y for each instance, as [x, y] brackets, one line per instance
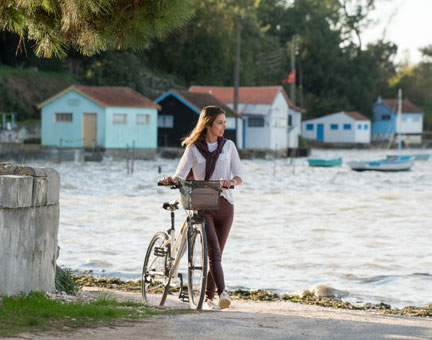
[16, 191]
[28, 254]
[31, 171]
[53, 194]
[7, 168]
[40, 191]
[43, 262]
[17, 239]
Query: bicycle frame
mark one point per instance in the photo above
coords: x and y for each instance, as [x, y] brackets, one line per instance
[178, 246]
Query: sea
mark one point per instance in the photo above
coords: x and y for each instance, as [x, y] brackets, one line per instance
[367, 234]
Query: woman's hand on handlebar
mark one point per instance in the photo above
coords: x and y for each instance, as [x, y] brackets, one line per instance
[227, 184]
[167, 180]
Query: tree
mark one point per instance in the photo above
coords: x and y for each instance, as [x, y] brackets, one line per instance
[416, 82]
[90, 26]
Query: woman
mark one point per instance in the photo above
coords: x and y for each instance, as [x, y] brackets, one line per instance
[209, 156]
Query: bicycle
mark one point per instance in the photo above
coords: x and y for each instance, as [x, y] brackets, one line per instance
[162, 259]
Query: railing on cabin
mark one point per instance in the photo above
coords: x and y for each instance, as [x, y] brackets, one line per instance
[8, 125]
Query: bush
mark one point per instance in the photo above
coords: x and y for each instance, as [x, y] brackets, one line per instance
[64, 281]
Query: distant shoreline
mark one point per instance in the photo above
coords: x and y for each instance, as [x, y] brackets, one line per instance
[265, 296]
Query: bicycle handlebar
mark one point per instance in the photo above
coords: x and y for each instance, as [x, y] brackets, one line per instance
[175, 185]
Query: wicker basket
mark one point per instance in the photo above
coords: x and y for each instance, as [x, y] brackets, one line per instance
[200, 195]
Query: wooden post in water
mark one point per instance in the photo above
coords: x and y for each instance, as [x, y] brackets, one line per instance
[237, 63]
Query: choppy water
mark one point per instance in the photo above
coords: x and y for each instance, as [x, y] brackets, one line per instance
[368, 233]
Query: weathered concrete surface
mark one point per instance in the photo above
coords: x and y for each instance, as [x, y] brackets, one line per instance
[16, 191]
[253, 321]
[29, 219]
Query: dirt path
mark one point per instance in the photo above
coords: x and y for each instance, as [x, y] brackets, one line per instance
[253, 320]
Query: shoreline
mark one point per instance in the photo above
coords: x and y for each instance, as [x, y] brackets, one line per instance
[264, 296]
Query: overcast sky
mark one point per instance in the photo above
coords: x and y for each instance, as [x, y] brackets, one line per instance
[409, 26]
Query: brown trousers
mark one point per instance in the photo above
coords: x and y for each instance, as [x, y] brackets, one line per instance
[217, 225]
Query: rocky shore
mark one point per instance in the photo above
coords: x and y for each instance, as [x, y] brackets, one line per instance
[306, 297]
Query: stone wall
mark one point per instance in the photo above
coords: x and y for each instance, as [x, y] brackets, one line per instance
[21, 133]
[29, 219]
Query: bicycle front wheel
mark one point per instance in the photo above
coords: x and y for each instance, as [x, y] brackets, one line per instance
[197, 264]
[155, 278]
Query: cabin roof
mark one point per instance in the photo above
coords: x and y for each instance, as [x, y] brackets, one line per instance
[407, 106]
[247, 94]
[356, 115]
[199, 100]
[108, 96]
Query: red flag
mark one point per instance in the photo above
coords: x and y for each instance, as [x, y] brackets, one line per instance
[291, 77]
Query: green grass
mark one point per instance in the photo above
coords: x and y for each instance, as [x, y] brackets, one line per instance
[35, 312]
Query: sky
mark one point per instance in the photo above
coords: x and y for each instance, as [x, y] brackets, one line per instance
[409, 25]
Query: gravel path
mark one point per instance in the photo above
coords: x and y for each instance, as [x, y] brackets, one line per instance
[255, 320]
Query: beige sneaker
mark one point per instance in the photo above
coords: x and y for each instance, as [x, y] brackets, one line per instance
[210, 305]
[224, 300]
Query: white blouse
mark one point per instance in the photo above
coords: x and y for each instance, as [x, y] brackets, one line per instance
[227, 166]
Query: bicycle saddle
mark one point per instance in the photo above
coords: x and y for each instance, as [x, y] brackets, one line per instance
[171, 206]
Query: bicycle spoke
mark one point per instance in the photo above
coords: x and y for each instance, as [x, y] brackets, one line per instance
[155, 278]
[197, 270]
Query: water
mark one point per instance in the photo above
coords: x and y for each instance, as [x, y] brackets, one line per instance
[367, 233]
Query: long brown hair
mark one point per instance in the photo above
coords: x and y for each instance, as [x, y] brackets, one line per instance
[206, 118]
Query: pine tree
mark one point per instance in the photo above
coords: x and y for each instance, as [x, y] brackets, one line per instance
[90, 26]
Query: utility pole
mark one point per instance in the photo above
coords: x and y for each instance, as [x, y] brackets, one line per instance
[237, 62]
[292, 90]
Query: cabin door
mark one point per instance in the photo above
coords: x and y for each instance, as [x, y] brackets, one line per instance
[320, 132]
[90, 129]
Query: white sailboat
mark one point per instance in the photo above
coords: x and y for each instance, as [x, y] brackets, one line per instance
[391, 163]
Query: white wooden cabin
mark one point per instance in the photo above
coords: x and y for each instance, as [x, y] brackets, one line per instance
[270, 120]
[340, 127]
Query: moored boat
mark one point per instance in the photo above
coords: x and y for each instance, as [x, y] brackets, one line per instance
[325, 162]
[417, 157]
[388, 164]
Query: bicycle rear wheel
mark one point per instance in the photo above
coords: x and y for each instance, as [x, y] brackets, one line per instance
[155, 274]
[197, 264]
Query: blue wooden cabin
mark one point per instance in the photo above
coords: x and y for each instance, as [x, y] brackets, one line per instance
[108, 117]
[384, 121]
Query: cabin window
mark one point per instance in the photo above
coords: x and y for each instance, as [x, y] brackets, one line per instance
[385, 117]
[309, 127]
[359, 127]
[347, 127]
[366, 127]
[165, 121]
[255, 121]
[142, 119]
[334, 126]
[416, 118]
[119, 118]
[63, 117]
[290, 123]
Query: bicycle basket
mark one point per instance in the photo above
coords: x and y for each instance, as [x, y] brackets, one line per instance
[200, 195]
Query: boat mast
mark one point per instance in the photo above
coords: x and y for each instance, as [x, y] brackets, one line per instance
[398, 120]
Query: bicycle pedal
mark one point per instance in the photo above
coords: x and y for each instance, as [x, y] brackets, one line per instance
[184, 297]
[160, 251]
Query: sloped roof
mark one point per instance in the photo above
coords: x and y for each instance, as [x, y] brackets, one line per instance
[407, 106]
[355, 115]
[108, 96]
[247, 94]
[199, 100]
